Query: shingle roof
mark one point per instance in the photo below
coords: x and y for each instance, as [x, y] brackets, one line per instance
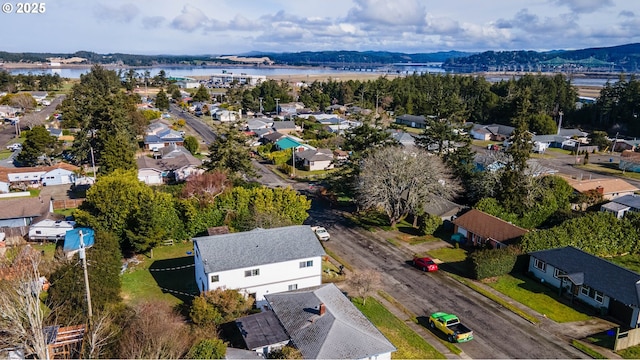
[273, 137]
[261, 329]
[343, 332]
[258, 247]
[602, 275]
[610, 186]
[4, 172]
[488, 226]
[284, 125]
[630, 200]
[615, 207]
[168, 164]
[24, 207]
[418, 119]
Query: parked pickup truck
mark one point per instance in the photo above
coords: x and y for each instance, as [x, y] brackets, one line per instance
[451, 326]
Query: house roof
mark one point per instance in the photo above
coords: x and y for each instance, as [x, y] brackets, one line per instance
[602, 275]
[615, 207]
[24, 207]
[168, 164]
[412, 118]
[610, 186]
[495, 129]
[173, 150]
[287, 143]
[273, 137]
[315, 155]
[284, 125]
[572, 132]
[4, 172]
[257, 247]
[261, 329]
[343, 332]
[489, 226]
[403, 137]
[630, 200]
[440, 206]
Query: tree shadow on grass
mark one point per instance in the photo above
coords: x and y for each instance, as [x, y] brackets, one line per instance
[176, 276]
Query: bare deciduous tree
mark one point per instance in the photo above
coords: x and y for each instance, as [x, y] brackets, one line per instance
[400, 182]
[364, 283]
[21, 311]
[207, 186]
[156, 331]
[100, 334]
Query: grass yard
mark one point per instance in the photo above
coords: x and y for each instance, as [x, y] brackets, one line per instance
[609, 169]
[630, 353]
[537, 297]
[147, 279]
[4, 154]
[410, 345]
[448, 254]
[558, 150]
[631, 262]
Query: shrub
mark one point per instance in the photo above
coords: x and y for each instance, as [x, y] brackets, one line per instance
[493, 262]
[208, 349]
[429, 223]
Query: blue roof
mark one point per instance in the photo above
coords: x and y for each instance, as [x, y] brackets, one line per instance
[72, 239]
[287, 143]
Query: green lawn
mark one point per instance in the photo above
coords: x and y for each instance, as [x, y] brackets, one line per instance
[630, 353]
[559, 151]
[448, 254]
[631, 261]
[4, 154]
[537, 297]
[147, 280]
[609, 169]
[410, 345]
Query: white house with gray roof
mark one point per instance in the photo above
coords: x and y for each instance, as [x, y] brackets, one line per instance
[323, 324]
[259, 262]
[621, 205]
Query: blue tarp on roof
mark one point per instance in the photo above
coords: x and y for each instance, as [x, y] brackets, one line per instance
[72, 239]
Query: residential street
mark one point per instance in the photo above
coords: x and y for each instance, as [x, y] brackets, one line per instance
[499, 333]
[204, 130]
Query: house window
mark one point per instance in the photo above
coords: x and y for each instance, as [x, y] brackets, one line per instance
[215, 278]
[304, 264]
[293, 287]
[557, 273]
[540, 265]
[252, 272]
[585, 290]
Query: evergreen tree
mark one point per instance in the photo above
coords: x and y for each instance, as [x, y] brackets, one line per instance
[67, 294]
[117, 153]
[229, 152]
[162, 101]
[191, 144]
[38, 142]
[202, 95]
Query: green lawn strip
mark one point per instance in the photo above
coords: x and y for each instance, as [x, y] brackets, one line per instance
[630, 352]
[496, 298]
[587, 350]
[448, 254]
[537, 297]
[631, 261]
[338, 259]
[397, 304]
[409, 344]
[49, 249]
[330, 273]
[146, 280]
[4, 154]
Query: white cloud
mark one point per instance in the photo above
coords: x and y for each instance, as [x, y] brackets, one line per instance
[397, 12]
[190, 19]
[125, 13]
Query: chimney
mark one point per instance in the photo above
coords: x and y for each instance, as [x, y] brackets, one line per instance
[600, 190]
[322, 309]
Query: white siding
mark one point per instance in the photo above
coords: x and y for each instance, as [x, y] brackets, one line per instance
[273, 278]
[150, 176]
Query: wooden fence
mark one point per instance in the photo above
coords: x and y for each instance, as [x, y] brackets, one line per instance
[625, 339]
[67, 204]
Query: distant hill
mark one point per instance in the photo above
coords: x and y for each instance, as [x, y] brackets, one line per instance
[615, 58]
[308, 58]
[349, 58]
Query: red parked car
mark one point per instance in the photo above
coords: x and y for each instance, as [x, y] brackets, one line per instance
[425, 264]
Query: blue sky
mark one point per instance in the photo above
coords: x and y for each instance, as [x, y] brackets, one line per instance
[238, 26]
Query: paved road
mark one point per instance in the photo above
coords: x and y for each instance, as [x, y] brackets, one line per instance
[267, 177]
[206, 133]
[499, 333]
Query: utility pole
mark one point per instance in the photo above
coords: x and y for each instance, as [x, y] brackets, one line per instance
[614, 143]
[277, 107]
[293, 161]
[93, 164]
[560, 122]
[83, 256]
[261, 109]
